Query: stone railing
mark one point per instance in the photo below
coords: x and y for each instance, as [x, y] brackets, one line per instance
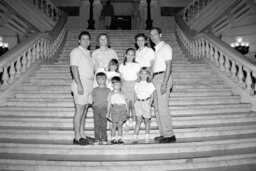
[238, 12]
[233, 64]
[194, 8]
[201, 13]
[48, 8]
[39, 46]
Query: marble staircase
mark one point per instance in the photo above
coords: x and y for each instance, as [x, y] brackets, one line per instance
[214, 130]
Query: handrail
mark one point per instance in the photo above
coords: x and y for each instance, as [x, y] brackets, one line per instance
[205, 45]
[193, 8]
[24, 55]
[48, 8]
[200, 13]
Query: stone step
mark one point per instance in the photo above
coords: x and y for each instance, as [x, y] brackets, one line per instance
[179, 122]
[25, 111]
[48, 81]
[174, 67]
[68, 102]
[67, 93]
[28, 86]
[61, 74]
[229, 163]
[114, 150]
[184, 133]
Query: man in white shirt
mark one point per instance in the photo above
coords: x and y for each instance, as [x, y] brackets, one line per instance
[163, 83]
[82, 71]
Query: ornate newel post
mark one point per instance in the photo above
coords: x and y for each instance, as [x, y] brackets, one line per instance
[91, 22]
[149, 21]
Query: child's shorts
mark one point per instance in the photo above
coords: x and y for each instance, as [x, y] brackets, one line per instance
[142, 108]
[118, 113]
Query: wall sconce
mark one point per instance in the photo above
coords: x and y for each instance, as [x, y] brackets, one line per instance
[240, 46]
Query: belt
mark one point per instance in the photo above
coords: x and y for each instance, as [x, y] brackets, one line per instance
[142, 100]
[157, 73]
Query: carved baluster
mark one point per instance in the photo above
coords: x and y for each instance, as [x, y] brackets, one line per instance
[18, 68]
[45, 49]
[216, 57]
[24, 62]
[211, 53]
[199, 49]
[5, 76]
[222, 67]
[207, 49]
[12, 73]
[33, 54]
[234, 71]
[203, 48]
[38, 50]
[42, 48]
[193, 49]
[227, 66]
[248, 82]
[29, 58]
[240, 76]
[37, 3]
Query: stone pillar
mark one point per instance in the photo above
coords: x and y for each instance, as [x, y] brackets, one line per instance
[149, 21]
[136, 15]
[91, 22]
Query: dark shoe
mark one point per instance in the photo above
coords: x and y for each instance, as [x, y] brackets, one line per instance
[90, 139]
[159, 138]
[81, 141]
[168, 140]
[114, 141]
[120, 141]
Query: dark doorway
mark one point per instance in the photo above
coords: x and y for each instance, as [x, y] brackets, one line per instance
[121, 23]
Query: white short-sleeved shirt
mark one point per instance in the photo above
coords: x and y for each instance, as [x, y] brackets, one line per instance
[101, 58]
[81, 57]
[143, 89]
[129, 71]
[163, 52]
[144, 56]
[117, 98]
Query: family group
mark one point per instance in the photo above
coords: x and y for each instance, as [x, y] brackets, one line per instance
[122, 92]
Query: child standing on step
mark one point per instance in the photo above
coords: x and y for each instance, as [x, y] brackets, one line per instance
[112, 71]
[129, 73]
[99, 106]
[117, 110]
[144, 95]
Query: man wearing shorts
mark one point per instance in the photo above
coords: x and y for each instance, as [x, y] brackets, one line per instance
[82, 85]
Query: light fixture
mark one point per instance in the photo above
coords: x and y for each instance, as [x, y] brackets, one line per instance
[240, 46]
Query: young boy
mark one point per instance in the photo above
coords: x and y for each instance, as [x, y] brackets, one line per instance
[117, 110]
[99, 106]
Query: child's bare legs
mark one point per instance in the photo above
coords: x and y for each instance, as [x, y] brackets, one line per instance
[137, 126]
[147, 125]
[113, 130]
[120, 129]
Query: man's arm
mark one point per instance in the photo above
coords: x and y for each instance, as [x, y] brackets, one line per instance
[75, 72]
[167, 75]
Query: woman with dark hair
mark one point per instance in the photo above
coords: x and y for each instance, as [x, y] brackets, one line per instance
[103, 54]
[144, 55]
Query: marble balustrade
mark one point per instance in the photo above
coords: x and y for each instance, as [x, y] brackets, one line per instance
[20, 59]
[48, 8]
[230, 62]
[194, 8]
